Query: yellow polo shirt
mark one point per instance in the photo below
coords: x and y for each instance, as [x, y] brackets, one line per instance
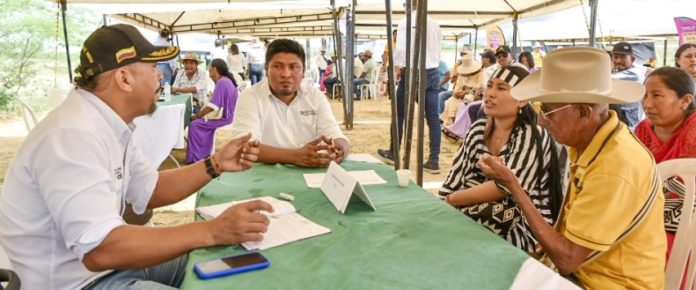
[601, 204]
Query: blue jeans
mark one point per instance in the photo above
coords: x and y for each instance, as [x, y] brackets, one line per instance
[443, 96]
[255, 73]
[357, 83]
[166, 73]
[329, 84]
[321, 74]
[431, 116]
[165, 276]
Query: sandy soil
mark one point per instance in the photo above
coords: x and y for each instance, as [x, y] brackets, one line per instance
[370, 132]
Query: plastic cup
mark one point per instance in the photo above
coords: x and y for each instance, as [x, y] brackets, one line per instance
[403, 176]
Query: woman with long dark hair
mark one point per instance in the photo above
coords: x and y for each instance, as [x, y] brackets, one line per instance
[214, 114]
[527, 60]
[510, 132]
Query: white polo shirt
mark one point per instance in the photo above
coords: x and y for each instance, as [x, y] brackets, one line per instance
[284, 126]
[66, 189]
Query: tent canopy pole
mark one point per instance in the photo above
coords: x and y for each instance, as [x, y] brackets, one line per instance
[63, 8]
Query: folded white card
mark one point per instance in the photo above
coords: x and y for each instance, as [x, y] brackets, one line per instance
[365, 177]
[339, 185]
[286, 224]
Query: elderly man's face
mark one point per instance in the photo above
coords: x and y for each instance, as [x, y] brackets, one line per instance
[621, 61]
[285, 72]
[190, 66]
[558, 118]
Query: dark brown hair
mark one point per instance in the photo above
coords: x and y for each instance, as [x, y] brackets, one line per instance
[681, 50]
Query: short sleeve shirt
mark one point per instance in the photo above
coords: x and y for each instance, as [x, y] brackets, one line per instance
[274, 123]
[66, 190]
[601, 203]
[198, 80]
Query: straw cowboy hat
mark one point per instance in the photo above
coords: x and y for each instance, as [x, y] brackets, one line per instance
[464, 49]
[468, 65]
[191, 56]
[577, 75]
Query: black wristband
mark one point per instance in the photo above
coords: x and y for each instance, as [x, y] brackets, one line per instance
[210, 168]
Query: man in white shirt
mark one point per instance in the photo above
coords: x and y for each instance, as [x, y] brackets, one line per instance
[489, 63]
[256, 57]
[61, 204]
[432, 61]
[293, 122]
[321, 63]
[191, 79]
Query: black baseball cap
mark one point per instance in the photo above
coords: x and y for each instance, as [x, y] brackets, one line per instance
[502, 49]
[117, 45]
[622, 48]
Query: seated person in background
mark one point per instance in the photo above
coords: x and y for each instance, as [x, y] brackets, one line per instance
[527, 60]
[466, 115]
[610, 233]
[294, 123]
[669, 132]
[61, 202]
[625, 69]
[510, 132]
[369, 69]
[468, 87]
[685, 58]
[191, 80]
[215, 114]
[327, 73]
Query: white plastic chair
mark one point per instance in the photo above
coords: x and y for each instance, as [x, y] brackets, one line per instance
[371, 88]
[30, 120]
[682, 249]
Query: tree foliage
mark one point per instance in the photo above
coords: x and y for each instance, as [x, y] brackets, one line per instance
[32, 48]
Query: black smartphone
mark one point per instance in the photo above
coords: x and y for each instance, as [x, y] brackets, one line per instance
[231, 265]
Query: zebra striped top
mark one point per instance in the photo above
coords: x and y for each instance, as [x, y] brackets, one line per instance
[520, 155]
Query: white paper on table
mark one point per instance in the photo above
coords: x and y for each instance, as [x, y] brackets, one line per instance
[534, 275]
[365, 177]
[286, 224]
[363, 157]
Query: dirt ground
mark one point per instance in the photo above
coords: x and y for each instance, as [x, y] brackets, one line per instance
[370, 132]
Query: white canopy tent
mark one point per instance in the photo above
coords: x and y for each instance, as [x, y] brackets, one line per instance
[288, 18]
[616, 19]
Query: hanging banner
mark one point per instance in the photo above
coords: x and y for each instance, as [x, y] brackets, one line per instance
[494, 36]
[686, 29]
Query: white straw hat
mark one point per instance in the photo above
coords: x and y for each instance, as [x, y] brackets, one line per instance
[468, 65]
[577, 75]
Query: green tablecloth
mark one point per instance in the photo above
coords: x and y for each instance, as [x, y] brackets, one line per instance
[412, 241]
[180, 99]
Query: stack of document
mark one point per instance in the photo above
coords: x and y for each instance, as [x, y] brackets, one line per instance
[286, 224]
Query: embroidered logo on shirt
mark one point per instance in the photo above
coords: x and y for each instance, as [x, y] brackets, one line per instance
[310, 112]
[118, 173]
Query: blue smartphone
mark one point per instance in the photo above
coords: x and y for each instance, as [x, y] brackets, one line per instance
[231, 265]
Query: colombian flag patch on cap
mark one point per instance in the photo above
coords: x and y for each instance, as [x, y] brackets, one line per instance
[125, 54]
